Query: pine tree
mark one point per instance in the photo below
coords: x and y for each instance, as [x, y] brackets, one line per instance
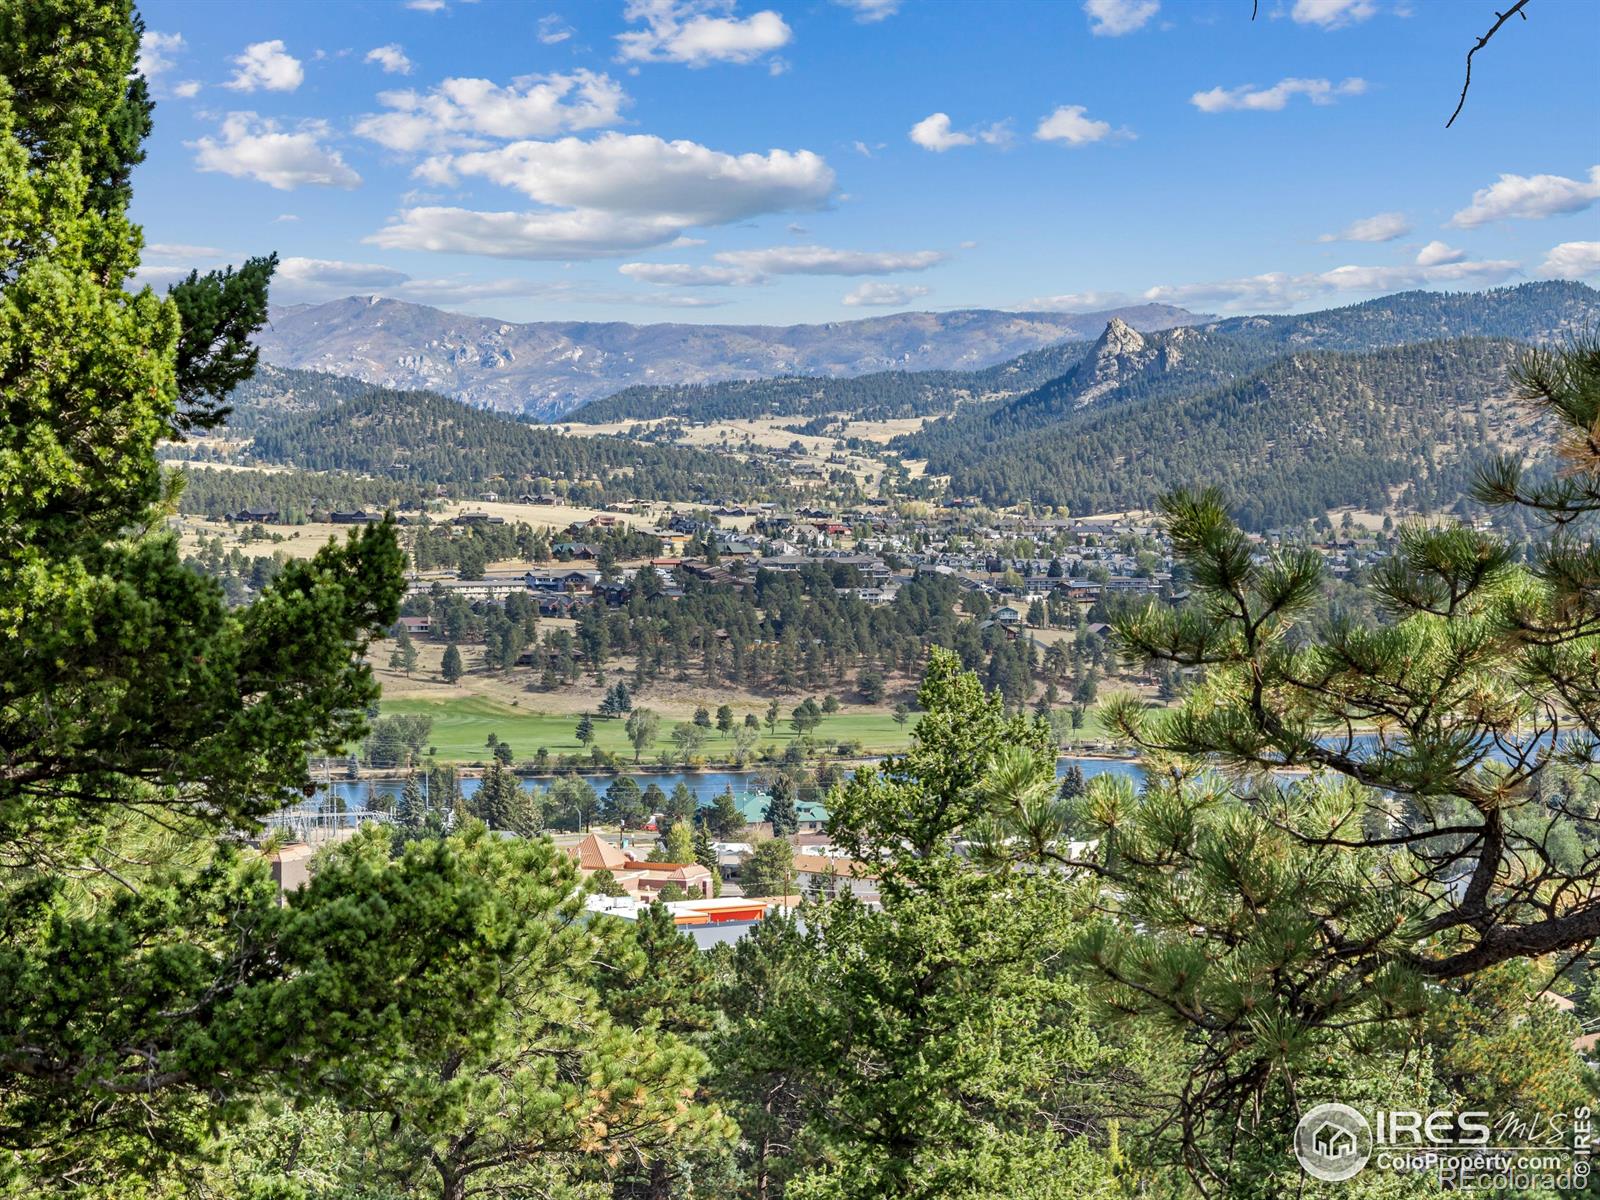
[668, 985]
[585, 732]
[706, 855]
[724, 817]
[1399, 872]
[624, 804]
[404, 656]
[769, 871]
[1073, 784]
[143, 723]
[948, 992]
[450, 665]
[410, 812]
[677, 846]
[780, 811]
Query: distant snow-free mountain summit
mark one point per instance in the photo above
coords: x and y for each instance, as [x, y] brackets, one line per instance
[545, 368]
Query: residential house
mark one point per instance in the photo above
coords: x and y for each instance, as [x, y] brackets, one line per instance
[636, 877]
[826, 875]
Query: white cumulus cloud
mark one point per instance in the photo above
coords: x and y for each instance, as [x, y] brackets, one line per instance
[1530, 198]
[1572, 260]
[821, 260]
[1249, 98]
[266, 65]
[551, 236]
[392, 58]
[617, 194]
[1077, 302]
[463, 112]
[1113, 18]
[643, 175]
[1330, 14]
[1384, 227]
[747, 268]
[699, 32]
[868, 11]
[1436, 254]
[934, 133]
[253, 147]
[180, 250]
[882, 295]
[330, 273]
[1280, 290]
[684, 275]
[1071, 124]
[552, 30]
[157, 53]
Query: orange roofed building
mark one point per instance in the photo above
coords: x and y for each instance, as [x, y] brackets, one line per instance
[642, 879]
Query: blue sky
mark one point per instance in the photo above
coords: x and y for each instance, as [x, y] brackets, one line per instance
[696, 160]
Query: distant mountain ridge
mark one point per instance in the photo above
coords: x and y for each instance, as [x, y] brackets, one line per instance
[1124, 365]
[546, 368]
[1393, 399]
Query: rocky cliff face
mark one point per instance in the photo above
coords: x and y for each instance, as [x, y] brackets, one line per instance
[1120, 353]
[547, 368]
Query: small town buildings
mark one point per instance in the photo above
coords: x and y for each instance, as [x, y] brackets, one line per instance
[561, 579]
[707, 922]
[827, 875]
[636, 877]
[488, 588]
[290, 864]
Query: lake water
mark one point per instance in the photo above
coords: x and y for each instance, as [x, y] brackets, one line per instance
[358, 795]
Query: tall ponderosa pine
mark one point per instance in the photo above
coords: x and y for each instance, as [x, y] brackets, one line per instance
[450, 665]
[949, 1050]
[1286, 925]
[780, 812]
[154, 987]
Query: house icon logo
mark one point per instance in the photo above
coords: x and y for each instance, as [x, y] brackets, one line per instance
[1332, 1142]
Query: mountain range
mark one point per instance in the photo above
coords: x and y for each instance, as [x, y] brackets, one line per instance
[1381, 404]
[546, 368]
[1387, 406]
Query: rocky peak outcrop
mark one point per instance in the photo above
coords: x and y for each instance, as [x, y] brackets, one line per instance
[1120, 353]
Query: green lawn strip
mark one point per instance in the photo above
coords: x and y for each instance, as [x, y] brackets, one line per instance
[461, 728]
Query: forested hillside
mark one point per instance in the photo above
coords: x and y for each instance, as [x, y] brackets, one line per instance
[1309, 432]
[296, 495]
[422, 439]
[883, 396]
[1262, 402]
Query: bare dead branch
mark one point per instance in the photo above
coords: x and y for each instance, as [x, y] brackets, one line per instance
[1501, 18]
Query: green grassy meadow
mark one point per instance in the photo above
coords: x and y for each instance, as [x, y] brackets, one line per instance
[461, 728]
